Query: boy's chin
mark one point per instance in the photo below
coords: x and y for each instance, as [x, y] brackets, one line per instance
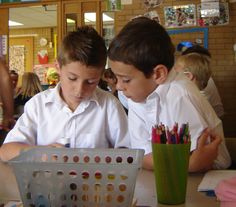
[137, 100]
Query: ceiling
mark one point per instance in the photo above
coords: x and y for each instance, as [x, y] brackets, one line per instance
[34, 16]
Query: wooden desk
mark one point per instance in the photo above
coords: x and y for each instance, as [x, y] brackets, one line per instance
[145, 190]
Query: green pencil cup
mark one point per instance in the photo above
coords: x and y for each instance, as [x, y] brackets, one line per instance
[171, 172]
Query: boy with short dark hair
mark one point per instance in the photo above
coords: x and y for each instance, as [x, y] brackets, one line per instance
[142, 56]
[76, 108]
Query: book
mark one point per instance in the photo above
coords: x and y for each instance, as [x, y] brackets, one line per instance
[213, 177]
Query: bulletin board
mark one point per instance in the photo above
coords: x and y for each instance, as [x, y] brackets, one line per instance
[201, 33]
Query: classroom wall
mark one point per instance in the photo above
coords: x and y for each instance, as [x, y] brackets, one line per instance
[221, 40]
[38, 33]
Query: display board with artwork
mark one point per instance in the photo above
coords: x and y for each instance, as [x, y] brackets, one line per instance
[180, 16]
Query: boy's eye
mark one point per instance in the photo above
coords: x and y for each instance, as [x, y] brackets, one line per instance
[126, 80]
[72, 78]
[92, 82]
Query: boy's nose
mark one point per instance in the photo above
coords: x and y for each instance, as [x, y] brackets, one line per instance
[79, 88]
[119, 86]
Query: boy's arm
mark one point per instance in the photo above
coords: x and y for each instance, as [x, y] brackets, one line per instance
[202, 158]
[148, 162]
[6, 93]
[11, 150]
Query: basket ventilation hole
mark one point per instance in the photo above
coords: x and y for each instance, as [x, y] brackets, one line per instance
[122, 187]
[97, 159]
[120, 198]
[85, 187]
[85, 175]
[110, 187]
[44, 157]
[74, 197]
[65, 158]
[109, 198]
[119, 159]
[73, 174]
[85, 197]
[97, 187]
[60, 174]
[97, 198]
[111, 176]
[86, 159]
[54, 157]
[98, 175]
[130, 160]
[76, 159]
[73, 186]
[108, 159]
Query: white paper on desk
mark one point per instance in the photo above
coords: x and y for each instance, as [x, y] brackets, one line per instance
[213, 177]
[14, 204]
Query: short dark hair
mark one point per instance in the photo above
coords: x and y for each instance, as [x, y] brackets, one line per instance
[143, 43]
[84, 45]
[197, 49]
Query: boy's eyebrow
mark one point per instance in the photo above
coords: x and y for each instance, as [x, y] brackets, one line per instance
[120, 75]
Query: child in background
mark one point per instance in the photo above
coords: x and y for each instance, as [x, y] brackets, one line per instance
[110, 78]
[196, 67]
[76, 108]
[30, 87]
[210, 91]
[6, 98]
[14, 77]
[142, 56]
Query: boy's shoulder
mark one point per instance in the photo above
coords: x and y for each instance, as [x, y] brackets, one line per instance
[106, 99]
[102, 95]
[44, 96]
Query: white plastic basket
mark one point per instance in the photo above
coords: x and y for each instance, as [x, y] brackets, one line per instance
[65, 177]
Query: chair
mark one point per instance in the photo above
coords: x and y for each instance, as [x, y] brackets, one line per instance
[231, 146]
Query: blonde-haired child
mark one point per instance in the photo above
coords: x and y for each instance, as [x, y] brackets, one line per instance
[196, 67]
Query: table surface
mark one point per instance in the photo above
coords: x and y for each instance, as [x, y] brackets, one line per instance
[145, 191]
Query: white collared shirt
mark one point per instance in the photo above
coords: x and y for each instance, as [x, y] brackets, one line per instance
[99, 122]
[213, 96]
[176, 100]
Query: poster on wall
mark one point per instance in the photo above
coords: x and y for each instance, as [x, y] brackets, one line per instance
[210, 9]
[152, 3]
[180, 16]
[17, 59]
[222, 19]
[113, 5]
[153, 15]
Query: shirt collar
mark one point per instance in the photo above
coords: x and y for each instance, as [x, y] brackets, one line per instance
[54, 97]
[162, 89]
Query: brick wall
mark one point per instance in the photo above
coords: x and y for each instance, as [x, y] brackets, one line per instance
[221, 40]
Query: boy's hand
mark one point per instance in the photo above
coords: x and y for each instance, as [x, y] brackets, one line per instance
[56, 145]
[202, 158]
[8, 123]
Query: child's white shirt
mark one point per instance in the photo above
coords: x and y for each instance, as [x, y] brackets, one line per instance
[176, 100]
[99, 122]
[213, 96]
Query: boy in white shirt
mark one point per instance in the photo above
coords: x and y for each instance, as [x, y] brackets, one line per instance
[210, 91]
[141, 56]
[76, 108]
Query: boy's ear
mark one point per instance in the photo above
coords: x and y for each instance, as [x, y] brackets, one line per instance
[160, 74]
[189, 75]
